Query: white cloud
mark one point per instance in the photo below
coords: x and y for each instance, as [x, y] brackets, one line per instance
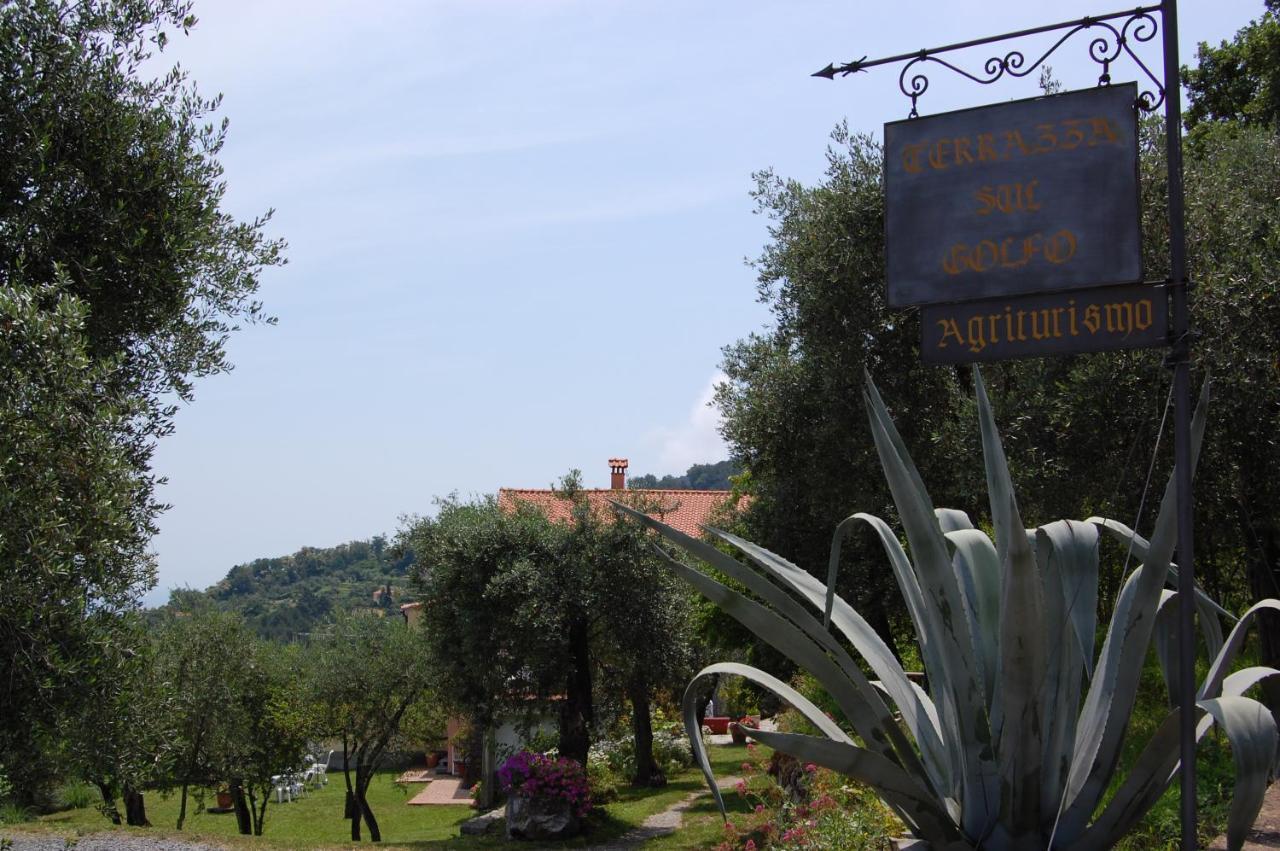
[695, 441]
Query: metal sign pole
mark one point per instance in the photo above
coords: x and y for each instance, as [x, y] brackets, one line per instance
[1179, 358]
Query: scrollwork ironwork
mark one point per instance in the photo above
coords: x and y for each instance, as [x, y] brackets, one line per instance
[1109, 44]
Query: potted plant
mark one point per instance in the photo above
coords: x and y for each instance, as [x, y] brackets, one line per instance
[547, 797]
[223, 796]
[738, 728]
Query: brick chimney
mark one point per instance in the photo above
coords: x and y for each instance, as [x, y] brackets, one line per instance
[618, 473]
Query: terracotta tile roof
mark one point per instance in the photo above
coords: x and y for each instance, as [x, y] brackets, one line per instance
[686, 510]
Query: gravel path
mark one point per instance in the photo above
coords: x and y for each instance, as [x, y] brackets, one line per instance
[106, 841]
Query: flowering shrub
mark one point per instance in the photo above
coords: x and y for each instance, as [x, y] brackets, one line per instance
[670, 751]
[800, 807]
[535, 775]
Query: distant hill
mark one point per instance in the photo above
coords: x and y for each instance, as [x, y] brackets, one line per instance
[286, 597]
[282, 598]
[699, 477]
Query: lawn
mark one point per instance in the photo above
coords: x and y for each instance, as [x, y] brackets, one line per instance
[316, 821]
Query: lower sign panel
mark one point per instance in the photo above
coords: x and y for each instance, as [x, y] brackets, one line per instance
[1097, 320]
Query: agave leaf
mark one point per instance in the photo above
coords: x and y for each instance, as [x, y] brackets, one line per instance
[1073, 557]
[958, 690]
[1109, 703]
[1122, 533]
[917, 710]
[803, 705]
[1246, 678]
[1156, 767]
[863, 705]
[1020, 729]
[850, 688]
[1165, 637]
[930, 821]
[1232, 647]
[952, 519]
[980, 570]
[1251, 729]
[1067, 554]
[1022, 666]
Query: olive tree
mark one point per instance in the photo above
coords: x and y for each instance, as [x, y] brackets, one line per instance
[364, 675]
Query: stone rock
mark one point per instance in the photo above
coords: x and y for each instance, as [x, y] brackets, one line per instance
[540, 818]
[480, 824]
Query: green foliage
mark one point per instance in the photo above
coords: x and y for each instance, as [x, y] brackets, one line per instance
[120, 280]
[475, 566]
[121, 735]
[699, 477]
[76, 795]
[1009, 748]
[521, 610]
[790, 405]
[1239, 80]
[364, 674]
[12, 812]
[113, 178]
[285, 598]
[671, 751]
[798, 807]
[75, 517]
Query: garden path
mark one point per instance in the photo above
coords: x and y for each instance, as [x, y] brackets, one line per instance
[442, 790]
[660, 824]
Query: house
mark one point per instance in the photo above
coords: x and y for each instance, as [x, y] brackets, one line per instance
[686, 510]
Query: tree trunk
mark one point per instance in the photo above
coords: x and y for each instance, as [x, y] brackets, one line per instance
[135, 809]
[576, 712]
[244, 821]
[109, 802]
[259, 810]
[362, 787]
[187, 771]
[351, 810]
[647, 771]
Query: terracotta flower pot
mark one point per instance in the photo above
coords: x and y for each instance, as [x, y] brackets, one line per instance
[224, 799]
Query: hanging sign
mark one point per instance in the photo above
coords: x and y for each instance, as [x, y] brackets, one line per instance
[1094, 320]
[1029, 196]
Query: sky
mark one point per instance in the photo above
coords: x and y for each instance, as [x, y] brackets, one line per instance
[518, 233]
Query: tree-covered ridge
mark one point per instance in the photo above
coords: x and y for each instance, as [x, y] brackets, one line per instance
[699, 477]
[280, 598]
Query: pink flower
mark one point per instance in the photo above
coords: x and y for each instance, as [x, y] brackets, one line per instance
[741, 787]
[729, 828]
[810, 767]
[759, 808]
[750, 846]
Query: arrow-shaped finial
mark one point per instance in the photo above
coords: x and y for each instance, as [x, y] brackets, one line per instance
[829, 73]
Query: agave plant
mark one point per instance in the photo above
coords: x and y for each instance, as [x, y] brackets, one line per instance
[1017, 738]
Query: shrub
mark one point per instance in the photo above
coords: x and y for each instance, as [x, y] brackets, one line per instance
[77, 795]
[12, 812]
[533, 775]
[800, 807]
[601, 777]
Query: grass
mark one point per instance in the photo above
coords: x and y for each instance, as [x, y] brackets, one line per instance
[316, 822]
